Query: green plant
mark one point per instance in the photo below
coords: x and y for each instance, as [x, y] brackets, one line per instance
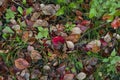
[9, 14]
[67, 6]
[24, 2]
[101, 7]
[43, 33]
[77, 64]
[7, 31]
[20, 10]
[69, 27]
[111, 61]
[29, 10]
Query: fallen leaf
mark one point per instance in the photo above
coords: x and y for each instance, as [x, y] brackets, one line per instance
[106, 17]
[35, 16]
[3, 68]
[95, 49]
[107, 37]
[35, 55]
[76, 30]
[73, 37]
[1, 78]
[40, 22]
[81, 76]
[21, 63]
[78, 13]
[68, 77]
[85, 23]
[13, 8]
[25, 36]
[116, 23]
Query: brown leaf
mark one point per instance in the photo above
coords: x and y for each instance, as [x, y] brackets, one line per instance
[31, 40]
[35, 16]
[78, 13]
[30, 2]
[21, 63]
[1, 78]
[106, 17]
[35, 55]
[3, 68]
[118, 66]
[40, 22]
[20, 78]
[3, 6]
[73, 37]
[68, 77]
[25, 36]
[95, 49]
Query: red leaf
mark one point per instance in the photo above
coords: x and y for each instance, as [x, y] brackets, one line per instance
[58, 39]
[116, 23]
[13, 8]
[85, 22]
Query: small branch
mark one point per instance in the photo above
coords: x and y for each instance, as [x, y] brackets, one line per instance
[18, 4]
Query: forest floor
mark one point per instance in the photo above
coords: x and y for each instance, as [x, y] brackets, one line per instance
[38, 44]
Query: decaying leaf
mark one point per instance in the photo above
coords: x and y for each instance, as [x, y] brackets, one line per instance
[25, 36]
[35, 55]
[40, 22]
[21, 63]
[68, 77]
[73, 37]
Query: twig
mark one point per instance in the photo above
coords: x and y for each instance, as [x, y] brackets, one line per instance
[18, 4]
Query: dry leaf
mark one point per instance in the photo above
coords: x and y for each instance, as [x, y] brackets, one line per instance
[95, 49]
[40, 22]
[106, 16]
[81, 76]
[35, 55]
[68, 77]
[1, 78]
[73, 37]
[21, 63]
[35, 16]
[25, 36]
[78, 13]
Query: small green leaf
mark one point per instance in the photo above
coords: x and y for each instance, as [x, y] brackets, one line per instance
[40, 28]
[24, 1]
[73, 5]
[45, 33]
[39, 36]
[29, 10]
[79, 65]
[60, 11]
[73, 70]
[113, 53]
[49, 54]
[92, 13]
[7, 30]
[5, 35]
[20, 10]
[61, 1]
[9, 14]
[105, 60]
